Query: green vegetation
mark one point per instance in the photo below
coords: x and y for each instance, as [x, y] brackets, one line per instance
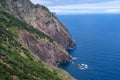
[3, 4]
[13, 65]
[24, 68]
[10, 21]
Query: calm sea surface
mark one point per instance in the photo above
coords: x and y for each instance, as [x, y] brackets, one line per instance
[98, 46]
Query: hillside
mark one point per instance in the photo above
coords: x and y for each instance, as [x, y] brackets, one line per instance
[25, 46]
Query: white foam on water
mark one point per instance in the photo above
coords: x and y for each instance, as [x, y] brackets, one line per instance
[72, 62]
[82, 66]
[74, 58]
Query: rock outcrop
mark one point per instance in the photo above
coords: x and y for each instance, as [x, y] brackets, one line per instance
[23, 50]
[42, 19]
[49, 52]
[30, 36]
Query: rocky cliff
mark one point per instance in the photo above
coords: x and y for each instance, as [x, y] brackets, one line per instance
[42, 19]
[30, 34]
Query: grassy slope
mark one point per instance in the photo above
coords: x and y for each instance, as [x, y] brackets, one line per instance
[12, 63]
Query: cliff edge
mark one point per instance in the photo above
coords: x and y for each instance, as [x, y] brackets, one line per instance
[42, 19]
[32, 38]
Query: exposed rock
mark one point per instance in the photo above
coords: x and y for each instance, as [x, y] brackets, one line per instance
[50, 48]
[51, 53]
[42, 19]
[14, 77]
[23, 50]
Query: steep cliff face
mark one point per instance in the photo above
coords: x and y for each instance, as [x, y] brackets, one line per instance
[37, 42]
[23, 50]
[40, 18]
[47, 51]
[29, 36]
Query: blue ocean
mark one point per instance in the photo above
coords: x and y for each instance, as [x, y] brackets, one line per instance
[98, 46]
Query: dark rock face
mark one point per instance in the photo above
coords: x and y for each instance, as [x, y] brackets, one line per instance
[31, 35]
[40, 18]
[48, 52]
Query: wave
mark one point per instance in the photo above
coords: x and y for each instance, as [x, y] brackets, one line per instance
[74, 58]
[82, 66]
